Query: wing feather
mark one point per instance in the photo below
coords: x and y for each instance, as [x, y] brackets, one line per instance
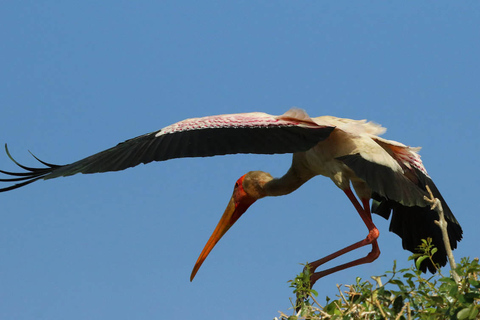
[385, 181]
[256, 133]
[401, 196]
[415, 223]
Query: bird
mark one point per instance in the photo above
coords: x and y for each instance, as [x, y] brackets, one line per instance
[350, 152]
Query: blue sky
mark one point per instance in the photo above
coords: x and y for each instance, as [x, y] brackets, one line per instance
[79, 77]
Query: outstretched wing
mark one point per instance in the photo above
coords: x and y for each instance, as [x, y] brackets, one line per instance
[255, 132]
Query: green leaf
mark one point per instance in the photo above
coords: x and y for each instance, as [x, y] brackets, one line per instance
[419, 261]
[471, 296]
[437, 299]
[448, 280]
[414, 256]
[408, 275]
[397, 282]
[474, 283]
[411, 283]
[463, 314]
[398, 304]
[473, 314]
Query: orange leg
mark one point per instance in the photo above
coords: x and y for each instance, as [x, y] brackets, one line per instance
[371, 238]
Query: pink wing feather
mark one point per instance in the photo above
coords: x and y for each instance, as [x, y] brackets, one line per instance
[293, 117]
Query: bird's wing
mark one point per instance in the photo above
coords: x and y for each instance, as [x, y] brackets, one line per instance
[352, 127]
[255, 132]
[385, 165]
[385, 180]
[407, 157]
[398, 181]
[414, 223]
[413, 169]
[390, 168]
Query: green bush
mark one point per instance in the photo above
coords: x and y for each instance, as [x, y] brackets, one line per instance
[405, 294]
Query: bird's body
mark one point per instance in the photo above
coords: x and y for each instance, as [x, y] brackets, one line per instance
[349, 152]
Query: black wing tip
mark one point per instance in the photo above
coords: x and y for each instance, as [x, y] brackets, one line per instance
[31, 174]
[415, 223]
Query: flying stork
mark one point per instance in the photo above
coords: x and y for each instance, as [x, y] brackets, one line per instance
[349, 152]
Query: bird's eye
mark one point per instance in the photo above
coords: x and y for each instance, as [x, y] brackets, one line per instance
[236, 184]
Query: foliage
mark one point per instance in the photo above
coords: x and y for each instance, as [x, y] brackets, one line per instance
[406, 294]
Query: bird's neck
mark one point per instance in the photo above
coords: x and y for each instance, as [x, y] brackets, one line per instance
[290, 182]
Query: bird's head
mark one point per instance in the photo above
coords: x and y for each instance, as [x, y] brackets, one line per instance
[248, 189]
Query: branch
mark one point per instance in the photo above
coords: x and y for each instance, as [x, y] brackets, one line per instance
[442, 224]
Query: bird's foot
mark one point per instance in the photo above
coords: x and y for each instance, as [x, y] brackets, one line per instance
[435, 203]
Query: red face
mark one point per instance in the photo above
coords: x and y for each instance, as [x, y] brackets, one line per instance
[238, 204]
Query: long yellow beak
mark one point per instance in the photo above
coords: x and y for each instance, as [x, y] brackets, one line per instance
[237, 206]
